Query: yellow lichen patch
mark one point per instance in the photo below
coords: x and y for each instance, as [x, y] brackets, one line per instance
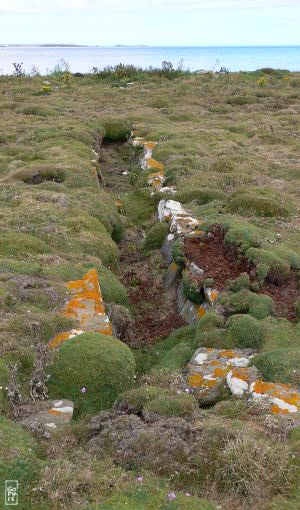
[86, 306]
[201, 312]
[221, 372]
[263, 387]
[173, 267]
[214, 363]
[156, 175]
[198, 381]
[59, 339]
[152, 163]
[149, 145]
[277, 410]
[228, 354]
[213, 295]
[241, 373]
[195, 381]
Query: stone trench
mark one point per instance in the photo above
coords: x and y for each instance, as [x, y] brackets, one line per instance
[210, 371]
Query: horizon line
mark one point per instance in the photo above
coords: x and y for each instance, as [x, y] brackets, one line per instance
[150, 45]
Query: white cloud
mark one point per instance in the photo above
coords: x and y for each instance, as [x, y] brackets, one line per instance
[40, 6]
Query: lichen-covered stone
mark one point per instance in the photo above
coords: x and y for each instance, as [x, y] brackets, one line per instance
[239, 380]
[205, 375]
[283, 399]
[86, 306]
[49, 416]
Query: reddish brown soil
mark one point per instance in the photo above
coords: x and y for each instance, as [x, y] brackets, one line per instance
[222, 263]
[284, 297]
[155, 313]
[218, 261]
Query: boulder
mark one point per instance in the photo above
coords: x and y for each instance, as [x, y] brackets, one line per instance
[205, 375]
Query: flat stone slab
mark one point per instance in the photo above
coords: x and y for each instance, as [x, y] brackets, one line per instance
[48, 416]
[205, 375]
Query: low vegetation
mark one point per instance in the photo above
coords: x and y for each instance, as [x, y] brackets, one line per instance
[73, 197]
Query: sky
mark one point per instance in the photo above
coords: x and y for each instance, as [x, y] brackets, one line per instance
[151, 22]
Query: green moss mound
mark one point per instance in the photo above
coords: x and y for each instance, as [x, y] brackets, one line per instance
[155, 237]
[18, 460]
[280, 365]
[245, 301]
[258, 202]
[102, 364]
[244, 331]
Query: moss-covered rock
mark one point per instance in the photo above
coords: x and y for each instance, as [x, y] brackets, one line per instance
[102, 364]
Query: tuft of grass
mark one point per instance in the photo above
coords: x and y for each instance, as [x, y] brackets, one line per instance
[116, 130]
[242, 100]
[155, 237]
[246, 467]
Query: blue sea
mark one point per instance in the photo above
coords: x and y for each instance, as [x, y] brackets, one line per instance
[83, 59]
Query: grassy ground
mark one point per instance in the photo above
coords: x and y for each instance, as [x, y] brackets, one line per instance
[231, 145]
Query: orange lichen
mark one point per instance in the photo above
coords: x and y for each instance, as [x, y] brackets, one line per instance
[221, 372]
[152, 163]
[201, 311]
[228, 354]
[241, 373]
[263, 387]
[86, 305]
[197, 381]
[213, 295]
[173, 267]
[59, 339]
[277, 410]
[214, 362]
[149, 145]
